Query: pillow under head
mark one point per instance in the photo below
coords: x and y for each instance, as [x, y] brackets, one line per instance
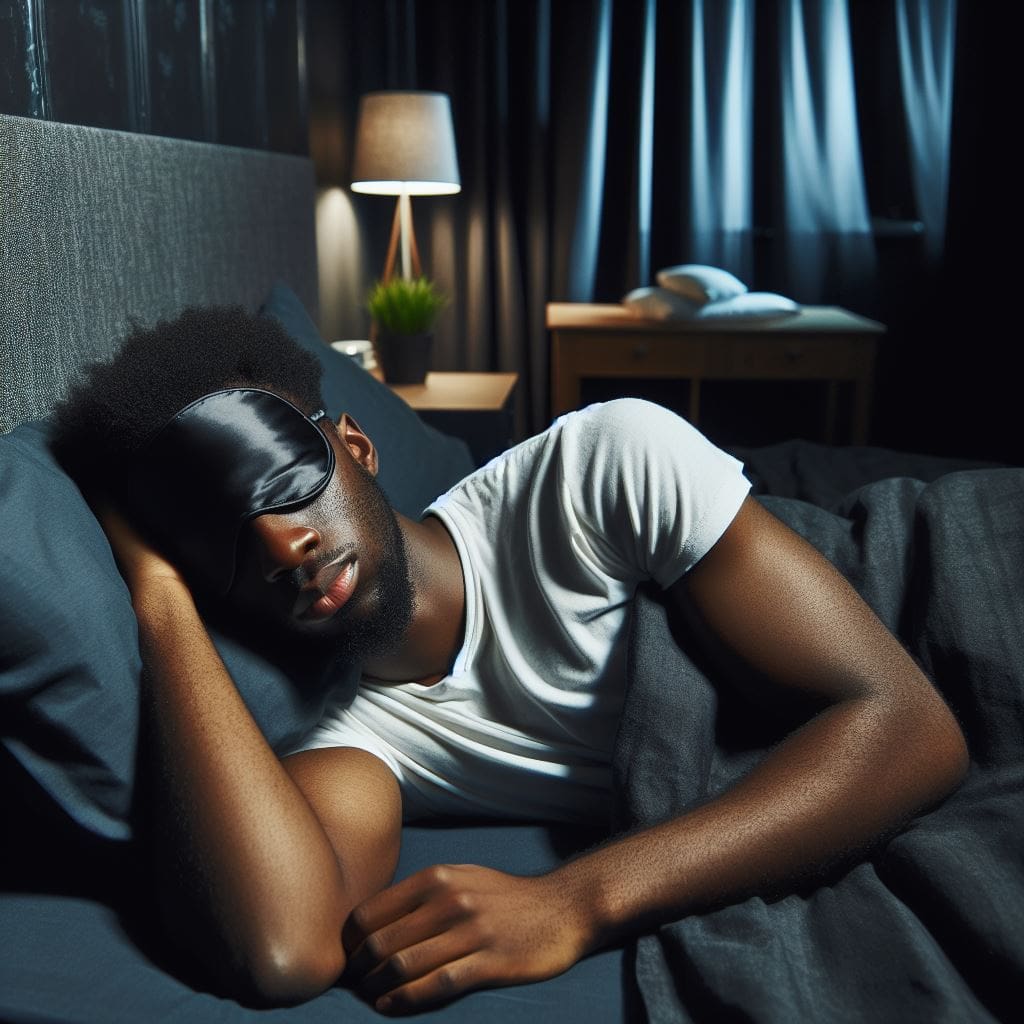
[69, 655]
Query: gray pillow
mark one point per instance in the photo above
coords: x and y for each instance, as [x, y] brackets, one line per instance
[69, 655]
[417, 462]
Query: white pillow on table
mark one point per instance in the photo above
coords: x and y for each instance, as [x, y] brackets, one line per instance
[700, 283]
[749, 306]
[660, 304]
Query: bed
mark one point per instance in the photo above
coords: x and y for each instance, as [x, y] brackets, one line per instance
[99, 227]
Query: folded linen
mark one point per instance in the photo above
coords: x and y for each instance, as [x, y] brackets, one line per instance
[662, 304]
[700, 283]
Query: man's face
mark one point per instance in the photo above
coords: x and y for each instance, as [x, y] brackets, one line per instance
[334, 569]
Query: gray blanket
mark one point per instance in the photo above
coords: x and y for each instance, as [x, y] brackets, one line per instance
[930, 927]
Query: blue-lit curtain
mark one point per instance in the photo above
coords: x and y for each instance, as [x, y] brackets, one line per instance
[719, 115]
[925, 31]
[581, 266]
[825, 227]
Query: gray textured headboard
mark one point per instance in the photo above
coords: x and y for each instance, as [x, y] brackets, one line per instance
[98, 226]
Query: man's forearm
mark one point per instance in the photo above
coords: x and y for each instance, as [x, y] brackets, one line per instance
[241, 853]
[854, 772]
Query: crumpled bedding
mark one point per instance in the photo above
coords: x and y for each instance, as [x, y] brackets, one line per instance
[929, 925]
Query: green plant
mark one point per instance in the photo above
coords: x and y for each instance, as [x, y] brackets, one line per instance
[406, 306]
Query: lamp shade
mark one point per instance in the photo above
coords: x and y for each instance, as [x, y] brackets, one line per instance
[405, 142]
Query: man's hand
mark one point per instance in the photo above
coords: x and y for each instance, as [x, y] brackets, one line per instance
[139, 563]
[456, 927]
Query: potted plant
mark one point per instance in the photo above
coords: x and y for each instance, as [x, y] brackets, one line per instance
[404, 311]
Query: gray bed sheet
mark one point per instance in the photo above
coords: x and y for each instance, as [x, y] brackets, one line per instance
[72, 960]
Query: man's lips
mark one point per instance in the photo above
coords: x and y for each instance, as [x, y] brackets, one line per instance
[328, 592]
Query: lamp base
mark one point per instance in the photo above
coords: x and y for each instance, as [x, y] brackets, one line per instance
[403, 238]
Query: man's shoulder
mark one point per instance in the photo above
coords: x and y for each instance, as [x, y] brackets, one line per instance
[599, 439]
[626, 428]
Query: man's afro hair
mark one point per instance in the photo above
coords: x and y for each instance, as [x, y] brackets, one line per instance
[120, 404]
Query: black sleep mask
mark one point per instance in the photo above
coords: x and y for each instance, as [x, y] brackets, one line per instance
[219, 462]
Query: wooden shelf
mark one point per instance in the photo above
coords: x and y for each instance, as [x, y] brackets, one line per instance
[459, 392]
[476, 407]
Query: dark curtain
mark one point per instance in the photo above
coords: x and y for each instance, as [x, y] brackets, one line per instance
[601, 140]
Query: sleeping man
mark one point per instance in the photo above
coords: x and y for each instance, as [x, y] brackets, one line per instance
[492, 639]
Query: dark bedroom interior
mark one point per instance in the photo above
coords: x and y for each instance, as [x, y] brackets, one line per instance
[793, 222]
[576, 147]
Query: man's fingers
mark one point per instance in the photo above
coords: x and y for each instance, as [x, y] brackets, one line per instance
[419, 961]
[439, 986]
[458, 927]
[394, 903]
[407, 931]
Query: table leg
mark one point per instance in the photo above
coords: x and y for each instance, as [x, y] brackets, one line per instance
[861, 410]
[831, 411]
[565, 382]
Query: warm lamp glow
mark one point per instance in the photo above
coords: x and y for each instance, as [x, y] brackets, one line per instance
[412, 188]
[405, 144]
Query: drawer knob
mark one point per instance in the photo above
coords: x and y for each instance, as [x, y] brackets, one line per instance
[794, 353]
[640, 351]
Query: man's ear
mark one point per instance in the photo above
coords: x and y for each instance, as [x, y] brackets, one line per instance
[360, 447]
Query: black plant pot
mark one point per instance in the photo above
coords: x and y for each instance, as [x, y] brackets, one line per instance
[405, 358]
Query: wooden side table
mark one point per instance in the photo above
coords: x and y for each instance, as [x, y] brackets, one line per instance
[823, 343]
[474, 406]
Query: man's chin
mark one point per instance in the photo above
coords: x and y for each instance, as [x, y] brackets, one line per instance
[358, 645]
[352, 636]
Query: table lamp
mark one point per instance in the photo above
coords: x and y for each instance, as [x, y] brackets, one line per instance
[405, 146]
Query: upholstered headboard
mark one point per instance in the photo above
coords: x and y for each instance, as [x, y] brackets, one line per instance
[97, 227]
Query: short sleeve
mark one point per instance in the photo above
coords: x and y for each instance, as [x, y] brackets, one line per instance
[338, 727]
[649, 493]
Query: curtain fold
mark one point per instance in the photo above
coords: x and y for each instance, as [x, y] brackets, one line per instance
[720, 112]
[925, 30]
[826, 228]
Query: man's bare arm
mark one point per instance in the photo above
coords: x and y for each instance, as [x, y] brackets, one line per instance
[884, 747]
[250, 879]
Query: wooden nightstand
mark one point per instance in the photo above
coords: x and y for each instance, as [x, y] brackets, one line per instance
[474, 406]
[822, 343]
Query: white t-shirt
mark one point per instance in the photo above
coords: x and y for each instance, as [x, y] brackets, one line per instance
[553, 536]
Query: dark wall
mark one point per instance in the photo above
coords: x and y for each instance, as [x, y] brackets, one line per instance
[223, 71]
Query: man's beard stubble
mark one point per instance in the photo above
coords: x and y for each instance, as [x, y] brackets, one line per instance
[382, 631]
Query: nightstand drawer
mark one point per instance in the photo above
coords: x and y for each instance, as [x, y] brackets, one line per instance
[790, 358]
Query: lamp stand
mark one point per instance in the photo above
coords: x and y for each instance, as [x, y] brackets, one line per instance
[403, 237]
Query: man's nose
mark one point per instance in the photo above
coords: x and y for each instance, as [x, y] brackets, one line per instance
[284, 544]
